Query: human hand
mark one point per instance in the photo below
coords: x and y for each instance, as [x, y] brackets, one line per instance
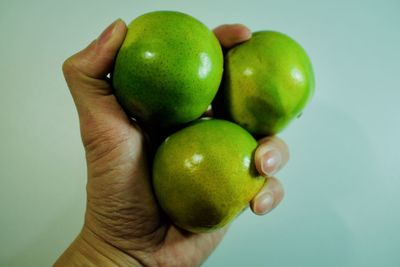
[123, 225]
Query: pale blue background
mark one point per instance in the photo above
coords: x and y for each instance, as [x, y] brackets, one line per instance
[343, 180]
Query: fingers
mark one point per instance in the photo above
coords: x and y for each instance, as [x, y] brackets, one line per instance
[232, 34]
[96, 60]
[268, 197]
[271, 155]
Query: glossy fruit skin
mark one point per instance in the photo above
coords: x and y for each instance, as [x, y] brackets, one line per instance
[267, 82]
[168, 69]
[204, 174]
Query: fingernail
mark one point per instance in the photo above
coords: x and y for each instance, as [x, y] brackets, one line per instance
[271, 162]
[245, 32]
[107, 33]
[265, 203]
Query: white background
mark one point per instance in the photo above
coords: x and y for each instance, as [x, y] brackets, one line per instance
[342, 183]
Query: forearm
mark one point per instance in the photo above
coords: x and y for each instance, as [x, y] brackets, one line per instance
[88, 250]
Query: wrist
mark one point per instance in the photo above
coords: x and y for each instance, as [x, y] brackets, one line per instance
[88, 250]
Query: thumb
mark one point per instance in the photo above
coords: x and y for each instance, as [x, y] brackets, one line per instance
[87, 67]
[86, 76]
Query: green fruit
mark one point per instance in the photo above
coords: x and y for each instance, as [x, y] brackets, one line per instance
[267, 82]
[204, 174]
[168, 69]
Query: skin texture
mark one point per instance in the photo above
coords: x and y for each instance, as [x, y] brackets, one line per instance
[123, 224]
[168, 69]
[204, 175]
[267, 82]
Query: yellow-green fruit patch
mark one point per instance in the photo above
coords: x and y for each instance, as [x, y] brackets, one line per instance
[204, 175]
[267, 82]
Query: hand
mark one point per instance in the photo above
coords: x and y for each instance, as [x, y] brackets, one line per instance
[123, 223]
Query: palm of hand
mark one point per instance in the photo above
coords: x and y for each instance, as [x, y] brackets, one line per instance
[122, 209]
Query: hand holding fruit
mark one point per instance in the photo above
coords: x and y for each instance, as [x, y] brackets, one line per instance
[166, 74]
[123, 223]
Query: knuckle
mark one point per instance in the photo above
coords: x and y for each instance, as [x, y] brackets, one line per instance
[265, 140]
[69, 68]
[268, 142]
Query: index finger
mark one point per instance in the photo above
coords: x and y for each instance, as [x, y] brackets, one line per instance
[232, 34]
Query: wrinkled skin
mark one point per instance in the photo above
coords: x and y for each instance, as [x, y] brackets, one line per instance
[123, 223]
